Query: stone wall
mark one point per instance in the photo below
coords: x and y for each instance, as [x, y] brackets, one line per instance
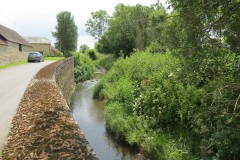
[45, 48]
[10, 53]
[65, 73]
[43, 127]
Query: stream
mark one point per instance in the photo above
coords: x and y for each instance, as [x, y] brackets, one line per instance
[89, 114]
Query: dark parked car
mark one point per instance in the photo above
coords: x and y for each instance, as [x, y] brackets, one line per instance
[36, 57]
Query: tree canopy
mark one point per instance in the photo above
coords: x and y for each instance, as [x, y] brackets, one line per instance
[66, 33]
[83, 48]
[98, 24]
[133, 27]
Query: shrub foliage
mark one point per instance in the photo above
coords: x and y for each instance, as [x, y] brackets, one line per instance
[84, 67]
[179, 99]
[152, 105]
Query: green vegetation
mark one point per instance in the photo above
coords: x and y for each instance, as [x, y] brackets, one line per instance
[66, 33]
[58, 54]
[53, 58]
[13, 64]
[133, 27]
[97, 25]
[86, 63]
[83, 48]
[84, 67]
[138, 90]
[105, 61]
[175, 91]
[150, 104]
[92, 53]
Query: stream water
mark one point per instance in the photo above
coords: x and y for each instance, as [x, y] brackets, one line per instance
[89, 114]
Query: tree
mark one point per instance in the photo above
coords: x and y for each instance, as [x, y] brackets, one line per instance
[98, 24]
[203, 33]
[210, 22]
[83, 48]
[66, 33]
[132, 27]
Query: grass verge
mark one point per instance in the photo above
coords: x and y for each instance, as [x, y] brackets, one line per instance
[25, 61]
[13, 64]
[53, 58]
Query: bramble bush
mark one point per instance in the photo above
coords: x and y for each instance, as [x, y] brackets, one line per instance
[155, 103]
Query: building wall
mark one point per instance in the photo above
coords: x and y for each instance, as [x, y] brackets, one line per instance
[45, 48]
[10, 53]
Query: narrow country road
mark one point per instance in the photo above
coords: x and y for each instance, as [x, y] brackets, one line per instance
[13, 82]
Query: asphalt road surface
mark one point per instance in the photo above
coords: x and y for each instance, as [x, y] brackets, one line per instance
[13, 82]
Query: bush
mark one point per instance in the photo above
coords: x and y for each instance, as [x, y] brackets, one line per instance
[59, 54]
[84, 67]
[83, 48]
[92, 53]
[97, 91]
[105, 61]
[154, 102]
[133, 89]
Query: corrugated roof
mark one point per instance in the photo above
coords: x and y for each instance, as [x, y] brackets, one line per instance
[12, 35]
[41, 40]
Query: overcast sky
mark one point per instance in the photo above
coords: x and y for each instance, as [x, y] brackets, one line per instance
[37, 18]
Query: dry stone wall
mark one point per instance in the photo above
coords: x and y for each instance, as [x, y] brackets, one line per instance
[43, 127]
[10, 53]
[65, 78]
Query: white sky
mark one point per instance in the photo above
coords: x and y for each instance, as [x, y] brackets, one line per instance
[37, 18]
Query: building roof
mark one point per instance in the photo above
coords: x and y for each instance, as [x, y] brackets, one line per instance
[12, 35]
[37, 40]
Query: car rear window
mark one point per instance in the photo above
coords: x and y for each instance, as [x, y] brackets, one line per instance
[33, 54]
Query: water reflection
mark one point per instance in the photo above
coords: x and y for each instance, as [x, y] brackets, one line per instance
[89, 114]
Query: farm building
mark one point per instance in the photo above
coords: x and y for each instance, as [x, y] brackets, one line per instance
[13, 48]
